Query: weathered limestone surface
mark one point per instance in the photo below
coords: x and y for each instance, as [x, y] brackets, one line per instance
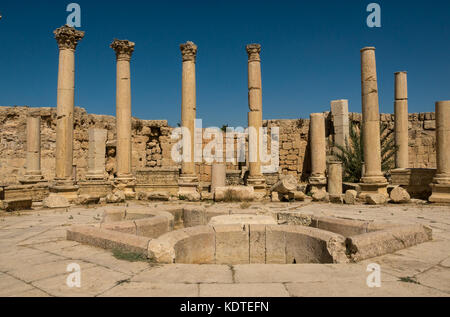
[218, 176]
[318, 152]
[401, 120]
[335, 178]
[33, 167]
[441, 182]
[124, 50]
[255, 121]
[373, 180]
[151, 146]
[339, 112]
[67, 38]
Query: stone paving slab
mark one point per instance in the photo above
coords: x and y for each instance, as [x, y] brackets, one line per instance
[437, 277]
[145, 289]
[360, 289]
[186, 273]
[94, 281]
[243, 290]
[34, 255]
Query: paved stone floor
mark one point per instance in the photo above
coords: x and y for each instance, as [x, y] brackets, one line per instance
[34, 256]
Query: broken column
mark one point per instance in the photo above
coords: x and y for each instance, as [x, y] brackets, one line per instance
[401, 120]
[33, 172]
[188, 181]
[97, 154]
[441, 182]
[124, 179]
[96, 183]
[255, 177]
[67, 38]
[339, 111]
[218, 175]
[317, 179]
[373, 181]
[335, 181]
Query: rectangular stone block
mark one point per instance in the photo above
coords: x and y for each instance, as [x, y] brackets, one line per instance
[152, 227]
[232, 244]
[275, 245]
[198, 247]
[16, 204]
[257, 244]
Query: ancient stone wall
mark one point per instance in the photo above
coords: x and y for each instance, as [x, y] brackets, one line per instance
[152, 143]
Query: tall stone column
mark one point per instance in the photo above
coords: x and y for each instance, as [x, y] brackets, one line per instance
[124, 180]
[188, 182]
[339, 111]
[441, 182]
[317, 179]
[33, 172]
[373, 180]
[67, 38]
[401, 120]
[255, 177]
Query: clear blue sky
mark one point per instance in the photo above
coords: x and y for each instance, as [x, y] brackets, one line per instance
[310, 54]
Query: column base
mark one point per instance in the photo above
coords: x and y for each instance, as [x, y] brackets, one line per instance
[440, 193]
[188, 187]
[259, 186]
[95, 188]
[372, 188]
[318, 183]
[126, 183]
[32, 179]
[65, 188]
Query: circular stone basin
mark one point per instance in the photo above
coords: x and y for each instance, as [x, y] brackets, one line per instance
[242, 219]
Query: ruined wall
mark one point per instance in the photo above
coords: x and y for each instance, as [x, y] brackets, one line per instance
[152, 143]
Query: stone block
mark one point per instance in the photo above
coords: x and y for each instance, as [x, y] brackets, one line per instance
[16, 204]
[232, 244]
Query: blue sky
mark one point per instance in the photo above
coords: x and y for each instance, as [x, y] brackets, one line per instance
[310, 54]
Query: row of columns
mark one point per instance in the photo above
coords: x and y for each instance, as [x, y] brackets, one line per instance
[68, 39]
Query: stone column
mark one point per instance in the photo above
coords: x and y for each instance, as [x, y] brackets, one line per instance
[255, 178]
[218, 175]
[96, 183]
[441, 182]
[97, 154]
[33, 172]
[373, 180]
[317, 179]
[67, 38]
[188, 182]
[335, 181]
[124, 180]
[339, 111]
[401, 120]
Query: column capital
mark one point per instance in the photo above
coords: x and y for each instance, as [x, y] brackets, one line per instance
[123, 48]
[188, 51]
[68, 37]
[253, 51]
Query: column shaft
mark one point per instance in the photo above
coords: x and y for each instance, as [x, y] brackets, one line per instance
[317, 145]
[33, 170]
[401, 120]
[371, 118]
[443, 141]
[188, 114]
[339, 111]
[65, 109]
[123, 119]
[96, 154]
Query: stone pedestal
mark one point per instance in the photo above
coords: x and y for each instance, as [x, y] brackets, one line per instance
[67, 38]
[218, 175]
[416, 181]
[317, 180]
[188, 181]
[441, 182]
[125, 180]
[157, 180]
[255, 177]
[373, 180]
